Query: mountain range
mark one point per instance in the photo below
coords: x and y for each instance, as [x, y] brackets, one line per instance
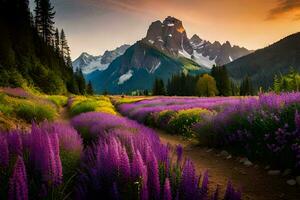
[166, 50]
[262, 65]
[89, 63]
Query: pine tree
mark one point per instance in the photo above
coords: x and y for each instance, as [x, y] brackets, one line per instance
[89, 88]
[220, 74]
[44, 20]
[65, 49]
[57, 41]
[80, 82]
[158, 87]
[246, 88]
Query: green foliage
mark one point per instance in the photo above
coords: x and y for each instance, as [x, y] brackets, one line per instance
[206, 86]
[27, 55]
[182, 85]
[98, 104]
[59, 101]
[287, 83]
[181, 123]
[33, 112]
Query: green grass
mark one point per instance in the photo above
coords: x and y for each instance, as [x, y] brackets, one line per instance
[59, 101]
[92, 104]
[32, 112]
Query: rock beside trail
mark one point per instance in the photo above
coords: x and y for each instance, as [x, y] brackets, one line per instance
[224, 153]
[274, 172]
[291, 182]
[246, 162]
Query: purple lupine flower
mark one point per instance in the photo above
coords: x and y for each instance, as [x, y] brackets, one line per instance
[124, 164]
[179, 151]
[231, 193]
[18, 188]
[14, 143]
[153, 178]
[4, 155]
[58, 174]
[167, 195]
[204, 187]
[189, 181]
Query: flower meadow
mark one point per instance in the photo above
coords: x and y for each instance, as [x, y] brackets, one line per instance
[98, 155]
[34, 164]
[128, 161]
[176, 115]
[265, 129]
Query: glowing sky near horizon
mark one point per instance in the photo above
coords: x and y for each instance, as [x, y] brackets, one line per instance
[94, 26]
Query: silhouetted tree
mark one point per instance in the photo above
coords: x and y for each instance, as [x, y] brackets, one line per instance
[44, 20]
[89, 88]
[158, 87]
[246, 87]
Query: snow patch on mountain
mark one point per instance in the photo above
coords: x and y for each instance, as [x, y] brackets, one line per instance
[204, 60]
[88, 63]
[125, 77]
[155, 68]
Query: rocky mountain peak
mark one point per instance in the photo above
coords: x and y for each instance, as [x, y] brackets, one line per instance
[168, 36]
[195, 39]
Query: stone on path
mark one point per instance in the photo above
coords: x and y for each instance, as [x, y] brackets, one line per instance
[291, 182]
[274, 172]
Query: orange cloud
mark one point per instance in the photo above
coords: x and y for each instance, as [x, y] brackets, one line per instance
[284, 7]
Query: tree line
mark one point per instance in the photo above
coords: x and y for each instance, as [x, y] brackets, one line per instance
[33, 53]
[217, 83]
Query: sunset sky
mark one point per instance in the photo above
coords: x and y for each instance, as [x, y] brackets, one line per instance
[94, 26]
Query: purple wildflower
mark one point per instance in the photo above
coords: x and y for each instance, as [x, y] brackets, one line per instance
[18, 189]
[4, 155]
[167, 195]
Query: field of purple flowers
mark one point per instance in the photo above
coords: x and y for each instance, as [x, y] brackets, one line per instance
[98, 155]
[130, 162]
[264, 128]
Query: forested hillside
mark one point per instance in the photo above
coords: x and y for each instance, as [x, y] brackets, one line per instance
[32, 52]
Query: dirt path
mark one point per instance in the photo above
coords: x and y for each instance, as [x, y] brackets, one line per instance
[254, 181]
[63, 115]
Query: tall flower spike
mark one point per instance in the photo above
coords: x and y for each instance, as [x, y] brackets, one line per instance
[189, 181]
[153, 177]
[167, 190]
[18, 188]
[4, 155]
[179, 151]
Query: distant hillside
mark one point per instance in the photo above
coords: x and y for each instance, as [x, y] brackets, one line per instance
[263, 64]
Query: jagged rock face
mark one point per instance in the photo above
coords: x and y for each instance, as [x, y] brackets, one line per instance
[169, 36]
[109, 56]
[221, 54]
